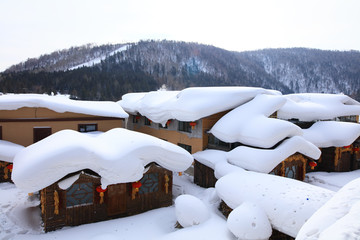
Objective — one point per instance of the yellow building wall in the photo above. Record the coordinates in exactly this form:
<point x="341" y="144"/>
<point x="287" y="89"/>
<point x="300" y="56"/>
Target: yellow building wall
<point x="17" y="125"/>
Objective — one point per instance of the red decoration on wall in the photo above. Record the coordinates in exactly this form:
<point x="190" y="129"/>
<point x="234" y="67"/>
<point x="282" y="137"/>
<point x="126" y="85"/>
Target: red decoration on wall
<point x="312" y="164"/>
<point x="168" y="122"/>
<point x="100" y="190"/>
<point x="192" y="124"/>
<point x="10" y="166"/>
<point x="136" y="184"/>
<point x="347" y="146"/>
<point x="355" y="149"/>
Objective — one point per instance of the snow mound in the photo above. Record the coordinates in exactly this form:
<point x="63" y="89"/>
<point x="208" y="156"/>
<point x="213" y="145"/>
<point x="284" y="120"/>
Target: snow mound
<point x="8" y="150"/>
<point x="250" y="125"/>
<point x="265" y="160"/>
<point x="61" y="104"/>
<point x="288" y="203"/>
<point x="249" y="222"/>
<point x="118" y="156"/>
<point x="190" y="211"/>
<point x="332" y="134"/>
<point x="190" y="104"/>
<point x="338" y="218"/>
<point x="331" y="180"/>
<point x="316" y="106"/>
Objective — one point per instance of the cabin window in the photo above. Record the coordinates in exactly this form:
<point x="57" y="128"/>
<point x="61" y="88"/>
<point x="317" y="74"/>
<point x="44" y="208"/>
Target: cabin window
<point x="186" y="147"/>
<point x="217" y="142"/>
<point x="79" y="194"/>
<point x="149" y="183"/>
<point x="135" y="119"/>
<point x="87" y="127"/>
<point x="147" y="121"/>
<point x="290" y="171"/>
<point x="184" y="127"/>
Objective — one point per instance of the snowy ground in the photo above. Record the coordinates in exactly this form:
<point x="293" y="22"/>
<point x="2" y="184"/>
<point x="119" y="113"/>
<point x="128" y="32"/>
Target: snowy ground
<point x="18" y="220"/>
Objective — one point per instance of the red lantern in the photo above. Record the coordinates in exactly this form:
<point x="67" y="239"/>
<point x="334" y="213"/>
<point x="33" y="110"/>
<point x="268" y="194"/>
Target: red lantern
<point x="347" y="146"/>
<point x="312" y="164"/>
<point x="10" y="166"/>
<point x="168" y="122"/>
<point x="136" y="185"/>
<point x="137" y="117"/>
<point x="100" y="190"/>
<point x="356" y="149"/>
<point x="192" y="124"/>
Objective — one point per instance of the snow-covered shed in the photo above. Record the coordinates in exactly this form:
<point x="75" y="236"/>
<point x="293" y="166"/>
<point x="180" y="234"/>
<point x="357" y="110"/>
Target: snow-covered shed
<point x="185" y="117"/>
<point x="8" y="151"/>
<point x="84" y="178"/>
<point x="27" y="118"/>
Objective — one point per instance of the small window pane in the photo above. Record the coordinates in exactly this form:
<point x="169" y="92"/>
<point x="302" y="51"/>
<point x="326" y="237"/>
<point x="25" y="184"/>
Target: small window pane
<point x="87" y="127"/>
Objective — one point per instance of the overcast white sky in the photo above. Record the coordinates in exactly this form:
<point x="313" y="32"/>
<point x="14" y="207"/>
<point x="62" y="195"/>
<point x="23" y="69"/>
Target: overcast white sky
<point x="30" y="28"/>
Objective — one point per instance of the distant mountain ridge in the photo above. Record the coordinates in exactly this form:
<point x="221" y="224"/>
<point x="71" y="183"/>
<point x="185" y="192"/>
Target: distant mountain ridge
<point x="111" y="70"/>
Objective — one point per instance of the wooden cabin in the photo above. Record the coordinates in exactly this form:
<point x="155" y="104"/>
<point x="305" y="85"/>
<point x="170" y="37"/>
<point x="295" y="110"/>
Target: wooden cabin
<point x="8" y="151"/>
<point x="86" y="202"/>
<point x="5" y="171"/>
<point x="293" y="167"/>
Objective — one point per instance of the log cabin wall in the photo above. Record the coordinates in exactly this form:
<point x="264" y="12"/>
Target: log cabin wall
<point x="203" y="175"/>
<point x="292" y="167"/>
<point x="338" y="159"/>
<point x="81" y="203"/>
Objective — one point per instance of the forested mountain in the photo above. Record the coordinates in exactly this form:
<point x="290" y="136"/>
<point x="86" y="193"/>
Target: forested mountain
<point x="113" y="70"/>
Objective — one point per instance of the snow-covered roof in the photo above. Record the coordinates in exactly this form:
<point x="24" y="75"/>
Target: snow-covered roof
<point x="317" y="106"/>
<point x="336" y="219"/>
<point x="288" y="203"/>
<point x="8" y="150"/>
<point x="265" y="160"/>
<point x="258" y="160"/>
<point x="61" y="104"/>
<point x="250" y="125"/>
<point x="190" y="104"/>
<point x="118" y="156"/>
<point x="332" y="134"/>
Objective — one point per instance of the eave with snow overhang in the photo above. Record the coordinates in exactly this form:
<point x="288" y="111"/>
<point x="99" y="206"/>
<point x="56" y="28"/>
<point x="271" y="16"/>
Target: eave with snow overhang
<point x="27" y="118"/>
<point x="116" y="173"/>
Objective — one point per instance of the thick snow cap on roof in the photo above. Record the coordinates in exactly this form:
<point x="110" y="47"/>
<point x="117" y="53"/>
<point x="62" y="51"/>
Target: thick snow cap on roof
<point x="332" y="134"/>
<point x="288" y="203"/>
<point x="336" y="219"/>
<point x="118" y="156"/>
<point x="254" y="159"/>
<point x="8" y="150"/>
<point x="316" y="106"/>
<point x="190" y="104"/>
<point x="265" y="160"/>
<point x="250" y="125"/>
<point x="61" y="103"/>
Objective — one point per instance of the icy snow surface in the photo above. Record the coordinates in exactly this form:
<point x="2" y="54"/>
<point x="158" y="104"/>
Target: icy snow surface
<point x="61" y="103"/>
<point x="190" y="210"/>
<point x="338" y="218"/>
<point x="249" y="222"/>
<point x="249" y="124"/>
<point x="8" y="150"/>
<point x="331" y="180"/>
<point x="118" y="156"/>
<point x="189" y="104"/>
<point x="288" y="203"/>
<point x="332" y="134"/>
<point x="316" y="106"/>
